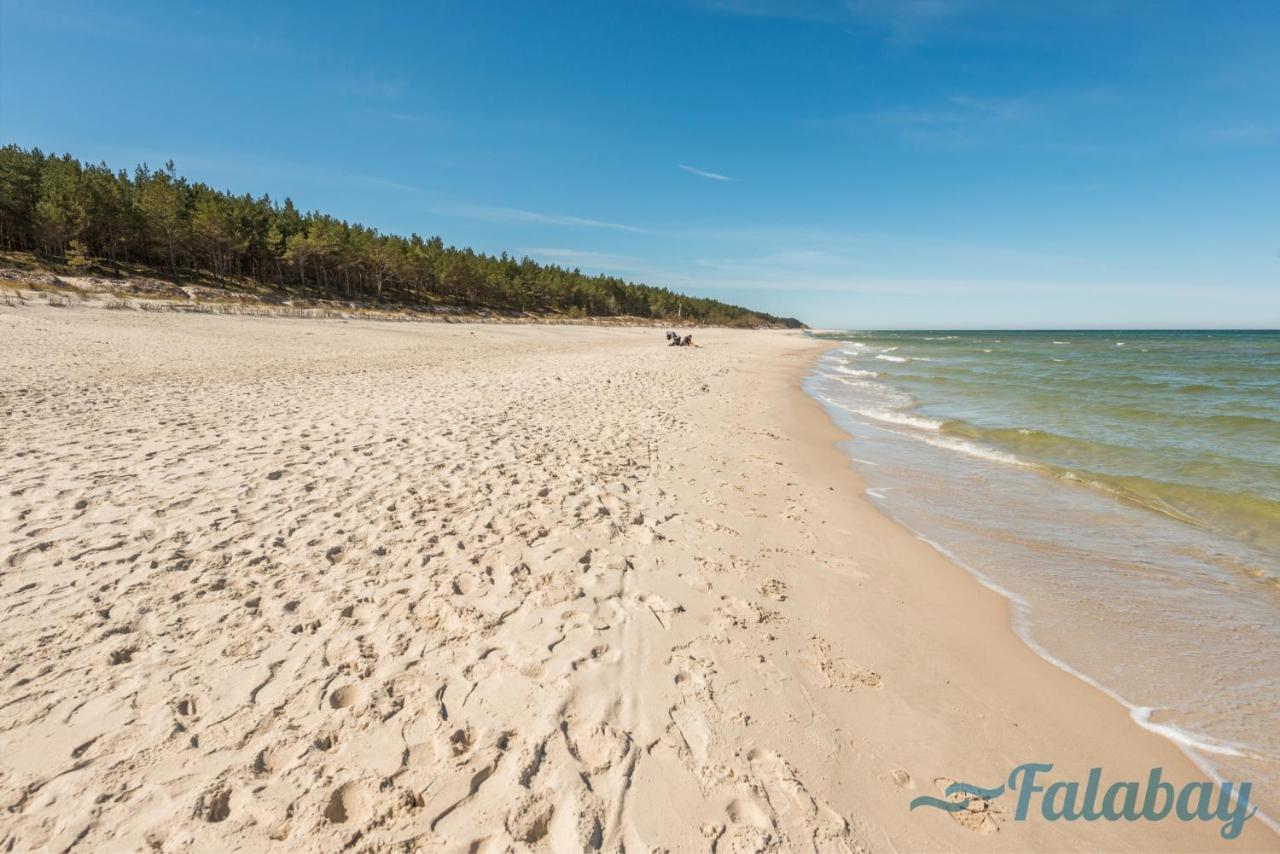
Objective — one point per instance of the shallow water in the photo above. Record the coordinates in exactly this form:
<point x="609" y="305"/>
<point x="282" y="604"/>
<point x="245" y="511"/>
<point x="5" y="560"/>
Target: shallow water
<point x="1122" y="488"/>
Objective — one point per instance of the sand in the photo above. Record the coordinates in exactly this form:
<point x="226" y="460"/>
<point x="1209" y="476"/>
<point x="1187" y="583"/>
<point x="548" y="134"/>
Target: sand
<point x="296" y="585"/>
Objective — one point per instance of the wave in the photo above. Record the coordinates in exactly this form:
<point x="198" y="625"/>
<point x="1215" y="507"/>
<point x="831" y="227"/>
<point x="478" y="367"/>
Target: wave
<point x="882" y="357"/>
<point x="975" y="450"/>
<point x="857" y="372"/>
<point x="904" y="419"/>
<point x="1249" y="517"/>
<point x="1193" y="745"/>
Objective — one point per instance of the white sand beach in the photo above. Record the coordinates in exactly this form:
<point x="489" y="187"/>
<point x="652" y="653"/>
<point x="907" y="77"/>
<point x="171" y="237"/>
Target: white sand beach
<point x="319" y="585"/>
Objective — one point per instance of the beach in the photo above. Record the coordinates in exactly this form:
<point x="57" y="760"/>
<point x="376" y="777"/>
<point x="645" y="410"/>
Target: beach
<point x="285" y="584"/>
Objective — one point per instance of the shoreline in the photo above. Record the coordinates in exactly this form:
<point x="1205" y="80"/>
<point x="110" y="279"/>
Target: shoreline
<point x="1163" y="749"/>
<point x="1200" y="750"/>
<point x="497" y="585"/>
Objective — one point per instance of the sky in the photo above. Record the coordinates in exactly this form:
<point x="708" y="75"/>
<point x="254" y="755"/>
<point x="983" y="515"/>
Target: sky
<point x="853" y="163"/>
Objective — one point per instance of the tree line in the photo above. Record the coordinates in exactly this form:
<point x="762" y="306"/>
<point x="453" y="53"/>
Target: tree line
<point x="63" y="209"/>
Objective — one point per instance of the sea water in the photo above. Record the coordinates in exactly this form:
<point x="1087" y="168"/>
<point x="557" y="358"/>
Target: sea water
<point x="1122" y="489"/>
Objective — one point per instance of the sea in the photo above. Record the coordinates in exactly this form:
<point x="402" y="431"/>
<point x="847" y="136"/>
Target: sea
<point x="1120" y="488"/>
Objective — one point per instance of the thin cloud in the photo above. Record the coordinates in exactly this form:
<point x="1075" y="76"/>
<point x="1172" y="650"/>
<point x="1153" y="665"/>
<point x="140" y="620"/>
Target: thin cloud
<point x="500" y="214"/>
<point x="1240" y="134"/>
<point x="903" y="22"/>
<point x="217" y="33"/>
<point x="999" y="108"/>
<point x="702" y="173"/>
<point x="799" y="10"/>
<point x="377" y="88"/>
<point x="583" y="258"/>
<point x="958" y="121"/>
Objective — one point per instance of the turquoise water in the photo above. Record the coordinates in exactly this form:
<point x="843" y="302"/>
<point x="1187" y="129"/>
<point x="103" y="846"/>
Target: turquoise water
<point x="1121" y="488"/>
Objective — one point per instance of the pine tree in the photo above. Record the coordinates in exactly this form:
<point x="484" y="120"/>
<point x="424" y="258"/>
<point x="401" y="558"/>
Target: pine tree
<point x="52" y="204"/>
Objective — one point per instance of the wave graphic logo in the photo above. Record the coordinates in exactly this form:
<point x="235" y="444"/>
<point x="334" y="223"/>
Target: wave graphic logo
<point x="1122" y="800"/>
<point x="957" y="788"/>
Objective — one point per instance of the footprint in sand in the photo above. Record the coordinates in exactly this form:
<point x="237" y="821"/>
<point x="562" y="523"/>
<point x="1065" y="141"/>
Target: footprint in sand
<point x="214" y="805"/>
<point x="461" y="742"/>
<point x="530" y="822"/>
<point x="345" y="697"/>
<point x="597" y="746"/>
<point x="774" y="589"/>
<point x="348" y="803"/>
<point x="750" y="828"/>
<point x="979" y="815"/>
<point x="799" y="814"/>
<point x="697" y="581"/>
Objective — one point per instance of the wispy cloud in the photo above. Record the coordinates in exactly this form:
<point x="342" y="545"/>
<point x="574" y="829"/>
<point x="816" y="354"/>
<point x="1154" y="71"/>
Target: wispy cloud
<point x="953" y="121"/>
<point x="501" y="214"/>
<point x="583" y="258"/>
<point x="908" y="21"/>
<point x="800" y="10"/>
<point x="702" y="173"/>
<point x="820" y="259"/>
<point x="1005" y="109"/>
<point x="372" y="86"/>
<point x="216" y="33"/>
<point x="1246" y="134"/>
<point x="903" y="22"/>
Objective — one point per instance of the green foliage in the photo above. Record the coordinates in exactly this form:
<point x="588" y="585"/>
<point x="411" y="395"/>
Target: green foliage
<point x="56" y="205"/>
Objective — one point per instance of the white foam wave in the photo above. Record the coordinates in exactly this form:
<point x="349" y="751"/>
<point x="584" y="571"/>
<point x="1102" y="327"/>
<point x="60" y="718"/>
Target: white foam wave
<point x="1197" y="741"/>
<point x="1197" y="747"/>
<point x="860" y="384"/>
<point x="973" y="450"/>
<point x="1191" y="745"/>
<point x="856" y="372"/>
<point x="903" y="418"/>
<point x="882" y="357"/>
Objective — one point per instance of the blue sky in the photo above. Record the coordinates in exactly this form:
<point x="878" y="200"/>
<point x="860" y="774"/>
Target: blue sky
<point x="923" y="163"/>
